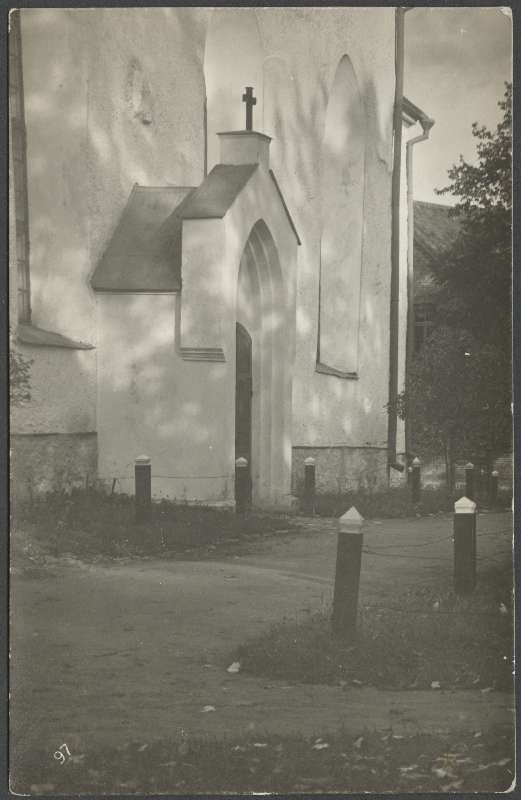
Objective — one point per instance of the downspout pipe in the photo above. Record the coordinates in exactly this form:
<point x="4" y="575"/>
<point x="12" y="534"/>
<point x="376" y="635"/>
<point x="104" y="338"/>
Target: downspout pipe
<point x="426" y="124"/>
<point x="394" y="317"/>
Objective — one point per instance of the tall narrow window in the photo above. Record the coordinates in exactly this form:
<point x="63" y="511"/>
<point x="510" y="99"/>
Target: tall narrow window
<point x="18" y="149"/>
<point x="342" y="193"/>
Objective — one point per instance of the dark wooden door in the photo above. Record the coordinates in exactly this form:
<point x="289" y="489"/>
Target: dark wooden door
<point x="243" y="394"/>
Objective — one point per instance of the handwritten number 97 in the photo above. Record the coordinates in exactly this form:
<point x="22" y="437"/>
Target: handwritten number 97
<point x="59" y="754"/>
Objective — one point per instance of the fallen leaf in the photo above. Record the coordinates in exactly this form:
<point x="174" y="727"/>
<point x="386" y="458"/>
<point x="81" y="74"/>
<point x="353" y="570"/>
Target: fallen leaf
<point x="206" y="709"/>
<point x="442" y="773"/>
<point x="502" y="763"/>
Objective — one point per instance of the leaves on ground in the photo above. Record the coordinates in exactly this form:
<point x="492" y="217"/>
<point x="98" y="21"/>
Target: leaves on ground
<point x="375" y="762"/>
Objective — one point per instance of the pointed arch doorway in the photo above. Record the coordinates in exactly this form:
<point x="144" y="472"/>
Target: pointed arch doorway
<point x="262" y="369"/>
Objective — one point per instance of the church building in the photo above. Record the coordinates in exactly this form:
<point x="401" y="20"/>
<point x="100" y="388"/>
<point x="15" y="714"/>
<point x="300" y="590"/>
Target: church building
<point x="208" y="248"/>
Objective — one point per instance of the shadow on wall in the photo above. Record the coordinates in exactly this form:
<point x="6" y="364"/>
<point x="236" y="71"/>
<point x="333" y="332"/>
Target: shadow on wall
<point x="99" y="119"/>
<point x="300" y="179"/>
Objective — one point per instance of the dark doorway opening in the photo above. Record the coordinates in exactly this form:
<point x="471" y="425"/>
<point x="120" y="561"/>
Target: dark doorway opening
<point x="243" y="395"/>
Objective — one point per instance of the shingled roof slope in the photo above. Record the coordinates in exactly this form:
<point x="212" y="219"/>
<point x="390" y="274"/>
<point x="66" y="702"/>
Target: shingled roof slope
<point x="434" y="233"/>
<point x="214" y="196"/>
<point x="141" y="256"/>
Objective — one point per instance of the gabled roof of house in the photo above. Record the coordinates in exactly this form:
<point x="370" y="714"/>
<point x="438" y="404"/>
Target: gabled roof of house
<point x="434" y="232"/>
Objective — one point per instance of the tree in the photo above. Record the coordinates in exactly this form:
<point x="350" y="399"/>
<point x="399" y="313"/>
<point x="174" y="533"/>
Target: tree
<point x="458" y="388"/>
<point x="475" y="273"/>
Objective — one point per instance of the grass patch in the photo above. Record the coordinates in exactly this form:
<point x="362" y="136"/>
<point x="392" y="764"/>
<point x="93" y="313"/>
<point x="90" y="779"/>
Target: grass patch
<point x="88" y="523"/>
<point x="374" y="762"/>
<point x="395" y="503"/>
<point x="423" y="637"/>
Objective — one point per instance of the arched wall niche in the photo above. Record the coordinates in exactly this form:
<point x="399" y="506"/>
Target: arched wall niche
<point x="233" y="59"/>
<point x="342" y="193"/>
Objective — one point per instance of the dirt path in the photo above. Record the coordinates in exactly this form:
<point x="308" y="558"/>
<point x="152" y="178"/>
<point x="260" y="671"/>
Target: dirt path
<point x="134" y="651"/>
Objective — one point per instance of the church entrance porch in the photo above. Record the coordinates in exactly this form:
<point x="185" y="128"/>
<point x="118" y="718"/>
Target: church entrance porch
<point x="197" y="391"/>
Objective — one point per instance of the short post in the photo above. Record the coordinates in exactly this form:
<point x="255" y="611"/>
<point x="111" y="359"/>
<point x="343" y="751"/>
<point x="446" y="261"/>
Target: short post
<point x="416" y="480"/>
<point x="143" y="487"/>
<point x="494" y="476"/>
<point x="242" y="485"/>
<point x="464" y="545"/>
<point x="347" y="574"/>
<point x="308" y="505"/>
<point x="469" y="480"/>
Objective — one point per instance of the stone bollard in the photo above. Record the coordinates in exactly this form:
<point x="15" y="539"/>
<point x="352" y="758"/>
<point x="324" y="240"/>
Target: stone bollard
<point x="469" y="480"/>
<point x="242" y="485"/>
<point x="143" y="487"/>
<point x="416" y="484"/>
<point x="493" y="487"/>
<point x="464" y="545"/>
<point x="347" y="574"/>
<point x="308" y="501"/>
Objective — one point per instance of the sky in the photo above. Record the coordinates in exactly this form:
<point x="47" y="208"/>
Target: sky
<point x="456" y="63"/>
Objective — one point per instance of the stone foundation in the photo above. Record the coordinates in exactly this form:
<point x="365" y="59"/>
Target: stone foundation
<point x="43" y="463"/>
<point x="340" y="469"/>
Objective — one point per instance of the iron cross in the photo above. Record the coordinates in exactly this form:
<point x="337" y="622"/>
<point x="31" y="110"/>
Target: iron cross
<point x="250" y="101"/>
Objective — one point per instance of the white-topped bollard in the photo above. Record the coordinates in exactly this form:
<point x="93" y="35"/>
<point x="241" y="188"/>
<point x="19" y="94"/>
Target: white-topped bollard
<point x="347" y="573"/>
<point x="242" y="485"/>
<point x="464" y="545"/>
<point x="143" y="487"/>
<point x="493" y="487"/>
<point x="308" y="504"/>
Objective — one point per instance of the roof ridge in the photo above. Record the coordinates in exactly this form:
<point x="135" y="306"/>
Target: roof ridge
<point x="430" y="203"/>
